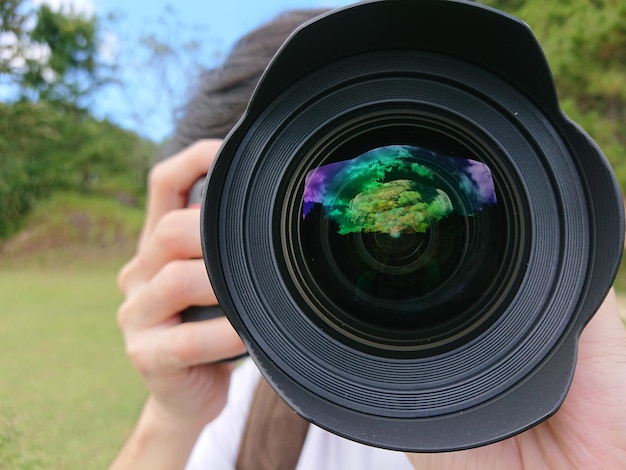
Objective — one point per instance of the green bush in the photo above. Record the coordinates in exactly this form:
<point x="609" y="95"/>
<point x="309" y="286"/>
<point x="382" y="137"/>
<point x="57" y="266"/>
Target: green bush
<point x="46" y="148"/>
<point x="585" y="44"/>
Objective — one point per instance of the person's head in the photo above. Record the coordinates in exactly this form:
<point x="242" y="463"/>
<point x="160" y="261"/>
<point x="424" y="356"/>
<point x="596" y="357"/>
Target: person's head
<point x="223" y="93"/>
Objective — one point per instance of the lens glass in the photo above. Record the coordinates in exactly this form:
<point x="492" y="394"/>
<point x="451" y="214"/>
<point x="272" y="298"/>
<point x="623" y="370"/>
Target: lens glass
<point x="400" y="244"/>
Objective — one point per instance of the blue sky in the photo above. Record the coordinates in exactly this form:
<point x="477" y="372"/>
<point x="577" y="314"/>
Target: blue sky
<point x="143" y="101"/>
<point x="226" y="19"/>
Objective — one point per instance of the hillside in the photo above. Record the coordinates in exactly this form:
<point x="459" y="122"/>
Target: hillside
<point x="71" y="229"/>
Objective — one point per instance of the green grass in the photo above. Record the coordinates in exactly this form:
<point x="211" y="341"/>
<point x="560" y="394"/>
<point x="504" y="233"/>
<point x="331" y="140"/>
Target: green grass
<point x="68" y="395"/>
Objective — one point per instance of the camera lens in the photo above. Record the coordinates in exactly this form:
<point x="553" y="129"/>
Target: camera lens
<point x="400" y="245"/>
<point x="405" y="230"/>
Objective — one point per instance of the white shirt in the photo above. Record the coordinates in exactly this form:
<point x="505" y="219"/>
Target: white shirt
<point x="218" y="445"/>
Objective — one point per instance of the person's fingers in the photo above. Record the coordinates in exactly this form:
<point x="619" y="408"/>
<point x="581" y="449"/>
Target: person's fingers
<point x="601" y="366"/>
<point x="171" y="179"/>
<point x="212" y="341"/>
<point x="185" y="345"/>
<point x="176" y="236"/>
<point x="605" y="333"/>
<point x="178" y="285"/>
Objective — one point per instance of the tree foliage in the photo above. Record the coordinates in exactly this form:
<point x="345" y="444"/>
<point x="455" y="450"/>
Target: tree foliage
<point x="13" y="34"/>
<point x="49" y="59"/>
<point x="71" y="69"/>
<point x="44" y="148"/>
<point x="54" y="60"/>
<point x="48" y="139"/>
<point x="585" y="44"/>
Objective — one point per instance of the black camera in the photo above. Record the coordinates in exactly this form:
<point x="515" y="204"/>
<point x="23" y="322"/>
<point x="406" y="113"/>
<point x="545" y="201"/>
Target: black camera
<point x="405" y="229"/>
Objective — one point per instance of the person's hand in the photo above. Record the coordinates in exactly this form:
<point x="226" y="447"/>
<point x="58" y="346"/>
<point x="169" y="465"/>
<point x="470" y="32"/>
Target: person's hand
<point x="588" y="431"/>
<point x="178" y="361"/>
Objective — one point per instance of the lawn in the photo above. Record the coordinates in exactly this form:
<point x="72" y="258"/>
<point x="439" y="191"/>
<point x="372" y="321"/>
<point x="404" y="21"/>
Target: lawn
<point x="68" y="395"/>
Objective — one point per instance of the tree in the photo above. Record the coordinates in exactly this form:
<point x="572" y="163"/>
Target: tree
<point x="71" y="70"/>
<point x="48" y="139"/>
<point x="50" y="55"/>
<point x="44" y="149"/>
<point x="12" y="34"/>
<point x="585" y="44"/>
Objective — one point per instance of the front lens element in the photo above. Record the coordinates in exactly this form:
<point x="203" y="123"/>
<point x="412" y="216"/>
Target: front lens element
<point x="401" y="242"/>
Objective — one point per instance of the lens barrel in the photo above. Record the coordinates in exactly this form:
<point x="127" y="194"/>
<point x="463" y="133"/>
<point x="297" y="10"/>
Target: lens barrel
<point x="407" y="232"/>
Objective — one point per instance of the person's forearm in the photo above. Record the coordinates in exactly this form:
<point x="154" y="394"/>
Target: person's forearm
<point x="158" y="441"/>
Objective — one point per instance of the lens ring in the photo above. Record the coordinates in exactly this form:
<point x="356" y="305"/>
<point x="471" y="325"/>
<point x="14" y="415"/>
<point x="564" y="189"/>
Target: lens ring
<point x="271" y="313"/>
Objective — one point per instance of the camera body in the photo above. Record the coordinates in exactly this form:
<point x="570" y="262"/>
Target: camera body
<point x="405" y="229"/>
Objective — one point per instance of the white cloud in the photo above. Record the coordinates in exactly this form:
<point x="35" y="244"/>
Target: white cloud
<point x="81" y="7"/>
<point x="109" y="47"/>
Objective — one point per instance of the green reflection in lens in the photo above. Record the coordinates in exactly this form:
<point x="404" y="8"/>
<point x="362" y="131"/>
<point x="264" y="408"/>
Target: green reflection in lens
<point x="394" y="207"/>
<point x="394" y="190"/>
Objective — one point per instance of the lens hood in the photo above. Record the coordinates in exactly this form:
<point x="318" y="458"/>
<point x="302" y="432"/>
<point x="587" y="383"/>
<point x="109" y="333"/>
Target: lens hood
<point x="405" y="229"/>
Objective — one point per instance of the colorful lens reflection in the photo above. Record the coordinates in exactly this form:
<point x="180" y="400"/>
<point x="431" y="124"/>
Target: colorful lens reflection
<point x="397" y="189"/>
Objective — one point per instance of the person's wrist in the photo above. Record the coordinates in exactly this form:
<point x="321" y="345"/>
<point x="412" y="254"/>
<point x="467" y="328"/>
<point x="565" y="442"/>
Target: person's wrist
<point x="160" y="416"/>
<point x="165" y="436"/>
<point x="160" y="440"/>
